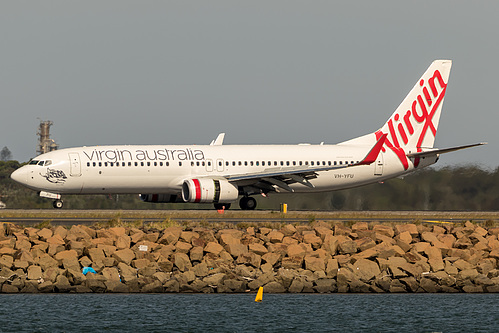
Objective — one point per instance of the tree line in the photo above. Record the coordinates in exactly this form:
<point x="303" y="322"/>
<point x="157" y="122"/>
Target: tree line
<point x="450" y="188"/>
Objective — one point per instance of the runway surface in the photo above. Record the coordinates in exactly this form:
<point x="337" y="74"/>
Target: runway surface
<point x="89" y="217"/>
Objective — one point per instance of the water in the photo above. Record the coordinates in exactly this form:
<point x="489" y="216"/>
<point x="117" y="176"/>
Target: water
<point x="239" y="313"/>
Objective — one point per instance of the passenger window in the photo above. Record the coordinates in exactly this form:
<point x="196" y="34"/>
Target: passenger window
<point x="275" y="163"/>
<point x="179" y="163"/>
<point x="197" y="163"/>
<point x="251" y="163"/>
<point x="129" y="164"/>
<point x="312" y="163"/>
<point x="88" y="164"/>
<point x="219" y="163"/>
<point x="100" y="164"/>
<point x="306" y="162"/>
<point x="148" y="163"/>
<point x="155" y="163"/>
<point x="203" y="163"/>
<point x="192" y="164"/>
<point x="282" y="163"/>
<point x="141" y="163"/>
<point x="334" y="162"/>
<point x="160" y="163"/>
<point x="233" y="163"/>
<point x="294" y="162"/>
<point x="301" y="163"/>
<point x="287" y="163"/>
<point x="341" y="163"/>
<point x="94" y="164"/>
<point x="245" y="163"/>
<point x="167" y="163"/>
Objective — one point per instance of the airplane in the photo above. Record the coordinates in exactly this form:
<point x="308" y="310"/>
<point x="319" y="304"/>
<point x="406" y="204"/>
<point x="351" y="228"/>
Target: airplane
<point x="221" y="174"/>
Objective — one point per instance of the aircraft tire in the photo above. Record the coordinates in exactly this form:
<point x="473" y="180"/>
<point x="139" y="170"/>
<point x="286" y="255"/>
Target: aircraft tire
<point x="247" y="203"/>
<point x="58" y="204"/>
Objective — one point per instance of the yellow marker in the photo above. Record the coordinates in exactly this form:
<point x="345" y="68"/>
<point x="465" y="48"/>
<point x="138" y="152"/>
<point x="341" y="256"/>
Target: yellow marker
<point x="259" y="295"/>
<point x="284" y="208"/>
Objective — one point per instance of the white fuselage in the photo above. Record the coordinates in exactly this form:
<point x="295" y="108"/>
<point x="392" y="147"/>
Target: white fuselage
<point x="163" y="169"/>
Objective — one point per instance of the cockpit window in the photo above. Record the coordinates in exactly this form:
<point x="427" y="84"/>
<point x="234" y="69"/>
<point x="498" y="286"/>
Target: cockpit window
<point x="48" y="162"/>
<point x="33" y="162"/>
<point x="41" y="163"/>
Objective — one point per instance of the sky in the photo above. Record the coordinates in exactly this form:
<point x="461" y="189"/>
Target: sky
<point x="263" y="72"/>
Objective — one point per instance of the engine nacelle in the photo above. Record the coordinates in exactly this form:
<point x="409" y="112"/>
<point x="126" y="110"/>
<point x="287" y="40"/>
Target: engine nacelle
<point x="209" y="190"/>
<point x="160" y="198"/>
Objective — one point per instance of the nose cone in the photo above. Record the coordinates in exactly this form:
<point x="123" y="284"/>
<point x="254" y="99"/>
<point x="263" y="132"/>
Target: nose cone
<point x="20" y="175"/>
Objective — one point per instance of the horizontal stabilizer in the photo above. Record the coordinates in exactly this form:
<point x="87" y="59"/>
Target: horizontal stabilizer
<point x="442" y="151"/>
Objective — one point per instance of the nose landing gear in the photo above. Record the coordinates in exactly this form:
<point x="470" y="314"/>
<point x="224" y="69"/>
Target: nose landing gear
<point x="58" y="204"/>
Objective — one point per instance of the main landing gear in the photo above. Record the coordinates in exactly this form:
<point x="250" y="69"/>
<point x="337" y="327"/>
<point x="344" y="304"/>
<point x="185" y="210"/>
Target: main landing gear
<point x="247" y="203"/>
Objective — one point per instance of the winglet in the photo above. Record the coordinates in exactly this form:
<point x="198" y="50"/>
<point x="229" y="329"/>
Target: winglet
<point x="219" y="140"/>
<point x="374" y="152"/>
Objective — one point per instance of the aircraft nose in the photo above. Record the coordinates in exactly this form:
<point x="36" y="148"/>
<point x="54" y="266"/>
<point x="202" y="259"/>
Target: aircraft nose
<point x="20" y="175"/>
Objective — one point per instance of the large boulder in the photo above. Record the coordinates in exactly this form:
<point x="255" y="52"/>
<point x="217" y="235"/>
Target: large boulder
<point x="113" y="286"/>
<point x="125" y="256"/>
<point x="127" y="273"/>
<point x="325" y="285"/>
<point x="214" y="248"/>
<point x="182" y="261"/>
<point x="34" y="272"/>
<point x="365" y="269"/>
<point x="274" y="287"/>
<point x="314" y="264"/>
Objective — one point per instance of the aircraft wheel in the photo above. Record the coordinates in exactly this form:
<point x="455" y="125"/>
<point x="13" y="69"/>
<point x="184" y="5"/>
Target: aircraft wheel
<point x="219" y="206"/>
<point x="247" y="203"/>
<point x="58" y="204"/>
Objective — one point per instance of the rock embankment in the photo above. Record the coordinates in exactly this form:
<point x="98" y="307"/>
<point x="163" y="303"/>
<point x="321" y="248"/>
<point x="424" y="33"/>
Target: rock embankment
<point x="315" y="258"/>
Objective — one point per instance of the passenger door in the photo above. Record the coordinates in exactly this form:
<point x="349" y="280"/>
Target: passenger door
<point x="74" y="165"/>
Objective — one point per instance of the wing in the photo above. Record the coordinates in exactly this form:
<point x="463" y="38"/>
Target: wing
<point x="282" y="177"/>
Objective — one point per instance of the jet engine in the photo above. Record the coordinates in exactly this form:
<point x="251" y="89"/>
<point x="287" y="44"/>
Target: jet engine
<point x="209" y="190"/>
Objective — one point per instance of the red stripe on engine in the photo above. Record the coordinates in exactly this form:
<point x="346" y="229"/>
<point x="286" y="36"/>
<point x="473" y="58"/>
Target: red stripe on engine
<point x="198" y="190"/>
